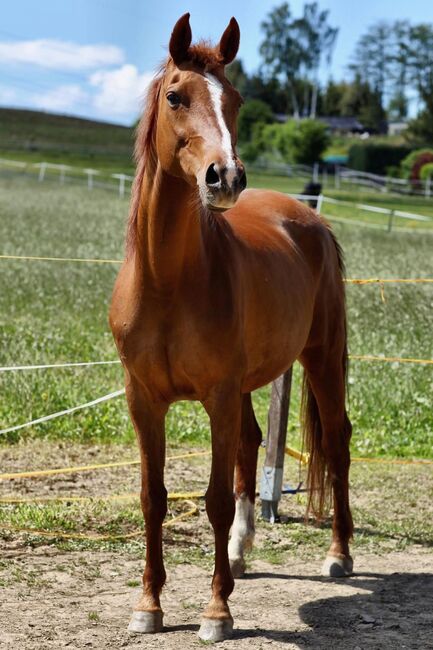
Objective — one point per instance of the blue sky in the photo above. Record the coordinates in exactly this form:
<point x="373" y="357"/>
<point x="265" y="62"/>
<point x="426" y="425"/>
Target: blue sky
<point x="94" y="58"/>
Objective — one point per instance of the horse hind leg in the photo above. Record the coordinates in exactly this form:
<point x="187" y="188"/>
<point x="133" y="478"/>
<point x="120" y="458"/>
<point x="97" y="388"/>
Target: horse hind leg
<point x="328" y="431"/>
<point x="243" y="529"/>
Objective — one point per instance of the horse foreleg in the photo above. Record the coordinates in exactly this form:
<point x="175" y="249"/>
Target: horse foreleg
<point x="243" y="529"/>
<point x="148" y="420"/>
<point x="224" y="409"/>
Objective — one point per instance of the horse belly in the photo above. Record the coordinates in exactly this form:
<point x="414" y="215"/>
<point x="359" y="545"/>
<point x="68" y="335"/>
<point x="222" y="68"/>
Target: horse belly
<point x="276" y="332"/>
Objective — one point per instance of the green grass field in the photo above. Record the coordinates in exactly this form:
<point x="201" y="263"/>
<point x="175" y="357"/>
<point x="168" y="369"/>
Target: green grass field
<point x="53" y="312"/>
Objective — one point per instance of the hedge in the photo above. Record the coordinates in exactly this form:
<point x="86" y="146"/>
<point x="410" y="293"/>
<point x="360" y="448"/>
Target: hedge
<point x="375" y="158"/>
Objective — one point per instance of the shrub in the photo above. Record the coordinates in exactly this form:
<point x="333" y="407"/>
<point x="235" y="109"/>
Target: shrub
<point x="296" y="141"/>
<point x="413" y="163"/>
<point x="426" y="171"/>
<point x="376" y="158"/>
<point x="303" y="141"/>
<point x="253" y="112"/>
<point x="420" y="129"/>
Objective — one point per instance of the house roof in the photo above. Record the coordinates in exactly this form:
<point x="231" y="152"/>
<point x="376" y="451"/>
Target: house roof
<point x="342" y="123"/>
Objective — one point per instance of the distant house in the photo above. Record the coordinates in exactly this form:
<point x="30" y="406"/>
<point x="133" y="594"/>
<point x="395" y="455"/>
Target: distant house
<point x="281" y="118"/>
<point x="343" y="125"/>
<point x="397" y="127"/>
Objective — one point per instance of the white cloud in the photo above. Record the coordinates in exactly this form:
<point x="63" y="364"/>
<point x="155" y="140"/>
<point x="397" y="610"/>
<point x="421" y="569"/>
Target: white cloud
<point x="60" y="98"/>
<point x="60" y="55"/>
<point x="120" y="91"/>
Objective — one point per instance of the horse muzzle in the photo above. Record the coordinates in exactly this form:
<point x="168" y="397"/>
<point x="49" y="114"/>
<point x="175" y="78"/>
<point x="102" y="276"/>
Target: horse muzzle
<point x="223" y="186"/>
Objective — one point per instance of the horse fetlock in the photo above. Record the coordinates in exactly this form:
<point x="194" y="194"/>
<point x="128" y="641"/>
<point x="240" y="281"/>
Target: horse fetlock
<point x="215" y="629"/>
<point x="148" y="622"/>
<point x="243" y="531"/>
<point x="339" y="566"/>
<point x="237" y="566"/>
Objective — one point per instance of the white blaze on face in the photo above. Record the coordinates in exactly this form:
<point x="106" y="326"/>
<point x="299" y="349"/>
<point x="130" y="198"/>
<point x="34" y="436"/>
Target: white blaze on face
<point x="216" y="94"/>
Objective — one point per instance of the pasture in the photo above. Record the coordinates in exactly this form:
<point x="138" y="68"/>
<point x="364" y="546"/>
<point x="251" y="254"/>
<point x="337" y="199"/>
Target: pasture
<point x="54" y="312"/>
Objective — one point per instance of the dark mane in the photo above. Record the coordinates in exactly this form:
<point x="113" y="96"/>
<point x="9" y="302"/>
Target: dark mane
<point x="201" y="55"/>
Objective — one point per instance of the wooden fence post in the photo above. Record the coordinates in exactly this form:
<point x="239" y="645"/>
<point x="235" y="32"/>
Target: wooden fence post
<point x="272" y="473"/>
<point x="390" y="220"/>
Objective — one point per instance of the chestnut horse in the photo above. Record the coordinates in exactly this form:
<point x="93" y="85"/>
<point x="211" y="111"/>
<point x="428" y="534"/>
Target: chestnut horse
<point x="221" y="291"/>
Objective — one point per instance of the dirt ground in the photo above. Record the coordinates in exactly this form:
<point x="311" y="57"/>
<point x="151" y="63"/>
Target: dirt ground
<point x="82" y="600"/>
<point x="55" y="595"/>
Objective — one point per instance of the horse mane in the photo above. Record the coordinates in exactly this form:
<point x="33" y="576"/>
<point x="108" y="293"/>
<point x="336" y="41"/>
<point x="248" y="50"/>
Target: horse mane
<point x="201" y="55"/>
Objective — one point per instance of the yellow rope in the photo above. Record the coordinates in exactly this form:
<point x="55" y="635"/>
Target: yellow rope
<point x="304" y="458"/>
<point x="172" y="496"/>
<point x="294" y="453"/>
<point x="98" y="538"/>
<point x="85" y="468"/>
<point x="393" y="461"/>
<point x="388" y="280"/>
<point x="37" y="258"/>
<point x="368" y="357"/>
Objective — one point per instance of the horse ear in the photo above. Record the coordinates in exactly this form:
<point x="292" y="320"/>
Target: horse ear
<point x="229" y="43"/>
<point x="180" y="40"/>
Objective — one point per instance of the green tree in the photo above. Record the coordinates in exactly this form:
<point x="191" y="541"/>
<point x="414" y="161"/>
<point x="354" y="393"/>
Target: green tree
<point x="371" y="61"/>
<point x="270" y="91"/>
<point x="420" y="62"/>
<point x="296" y="141"/>
<point x="254" y="111"/>
<point x="237" y="76"/>
<point x="282" y="52"/>
<point x="420" y="129"/>
<point x="319" y="42"/>
<point x="362" y="101"/>
<point x="332" y="98"/>
<point x="293" y="49"/>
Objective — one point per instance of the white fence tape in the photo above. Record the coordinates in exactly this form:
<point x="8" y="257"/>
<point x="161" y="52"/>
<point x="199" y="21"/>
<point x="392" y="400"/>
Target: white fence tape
<point x="374" y="208"/>
<point x="77" y="364"/>
<point x="73" y="409"/>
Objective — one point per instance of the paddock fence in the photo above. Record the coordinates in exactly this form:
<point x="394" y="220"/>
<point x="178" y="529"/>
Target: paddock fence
<point x="41" y="172"/>
<point x="104" y="179"/>
<point x="121" y="183"/>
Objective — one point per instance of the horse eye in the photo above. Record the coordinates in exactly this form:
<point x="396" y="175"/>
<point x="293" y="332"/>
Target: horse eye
<point x="173" y="99"/>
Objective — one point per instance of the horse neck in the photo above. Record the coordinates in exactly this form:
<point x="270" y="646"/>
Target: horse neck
<point x="168" y="230"/>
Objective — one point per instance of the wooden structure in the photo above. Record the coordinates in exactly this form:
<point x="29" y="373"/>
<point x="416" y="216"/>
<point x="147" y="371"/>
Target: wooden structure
<point x="271" y="482"/>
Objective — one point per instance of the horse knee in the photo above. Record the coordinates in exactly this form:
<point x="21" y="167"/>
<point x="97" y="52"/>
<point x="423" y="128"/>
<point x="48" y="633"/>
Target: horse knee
<point x="154" y="503"/>
<point x="220" y="509"/>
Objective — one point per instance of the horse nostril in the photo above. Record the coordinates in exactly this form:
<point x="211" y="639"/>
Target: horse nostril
<point x="212" y="176"/>
<point x="243" y="180"/>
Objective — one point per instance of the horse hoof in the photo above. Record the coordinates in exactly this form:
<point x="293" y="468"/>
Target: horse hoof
<point x="237" y="566"/>
<point x="337" y="567"/>
<point x="146" y="622"/>
<point x="213" y="630"/>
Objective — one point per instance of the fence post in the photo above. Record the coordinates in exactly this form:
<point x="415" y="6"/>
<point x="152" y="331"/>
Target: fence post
<point x="272" y="472"/>
<point x="428" y="186"/>
<point x="121" y="178"/>
<point x="90" y="174"/>
<point x="390" y="220"/>
<point x="42" y="167"/>
<point x="62" y="170"/>
<point x="316" y="172"/>
<point x="337" y="177"/>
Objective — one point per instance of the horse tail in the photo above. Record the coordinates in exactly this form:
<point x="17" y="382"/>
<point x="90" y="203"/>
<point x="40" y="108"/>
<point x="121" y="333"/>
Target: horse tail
<point x="318" y="479"/>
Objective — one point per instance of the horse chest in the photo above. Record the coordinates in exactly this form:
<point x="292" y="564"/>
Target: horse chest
<point x="178" y="357"/>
